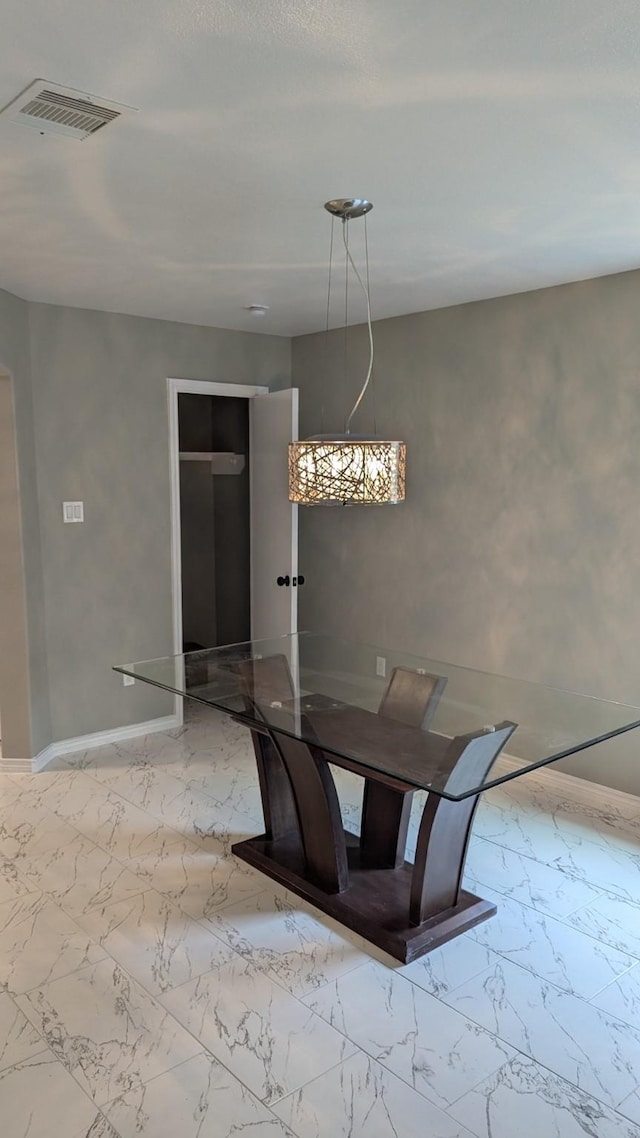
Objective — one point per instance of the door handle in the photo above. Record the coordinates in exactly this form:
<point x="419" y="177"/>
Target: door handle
<point x="298" y="580"/>
<point x="284" y="580"/>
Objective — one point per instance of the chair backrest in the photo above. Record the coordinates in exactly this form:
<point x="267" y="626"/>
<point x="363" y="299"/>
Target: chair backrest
<point x="470" y="757"/>
<point x="412" y="697"/>
<point x="266" y="680"/>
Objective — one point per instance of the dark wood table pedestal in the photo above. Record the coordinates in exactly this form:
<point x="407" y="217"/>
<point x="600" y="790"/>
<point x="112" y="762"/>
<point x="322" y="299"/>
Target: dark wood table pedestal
<point x="364" y="882"/>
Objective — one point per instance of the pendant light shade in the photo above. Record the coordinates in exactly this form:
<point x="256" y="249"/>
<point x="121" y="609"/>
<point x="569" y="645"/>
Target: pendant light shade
<point x="349" y="471"/>
<point x="346" y="469"/>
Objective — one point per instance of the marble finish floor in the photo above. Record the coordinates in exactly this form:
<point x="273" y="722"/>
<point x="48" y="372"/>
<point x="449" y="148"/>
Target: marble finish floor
<point x="151" y="985"/>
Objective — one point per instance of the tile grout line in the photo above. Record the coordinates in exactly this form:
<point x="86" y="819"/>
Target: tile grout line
<point x="531" y="1058"/>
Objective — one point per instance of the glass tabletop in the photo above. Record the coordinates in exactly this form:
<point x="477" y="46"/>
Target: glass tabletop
<point x="403" y="716"/>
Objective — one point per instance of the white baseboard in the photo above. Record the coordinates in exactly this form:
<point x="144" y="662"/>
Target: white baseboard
<point x="86" y="742"/>
<point x="15" y="766"/>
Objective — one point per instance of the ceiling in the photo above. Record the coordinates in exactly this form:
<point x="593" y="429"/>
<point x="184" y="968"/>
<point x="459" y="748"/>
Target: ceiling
<point x="499" y="142"/>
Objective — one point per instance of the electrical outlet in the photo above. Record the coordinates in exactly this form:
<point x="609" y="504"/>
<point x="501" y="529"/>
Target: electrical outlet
<point x="73" y="511"/>
<point x="381" y="666"/>
<point x="128" y="681"/>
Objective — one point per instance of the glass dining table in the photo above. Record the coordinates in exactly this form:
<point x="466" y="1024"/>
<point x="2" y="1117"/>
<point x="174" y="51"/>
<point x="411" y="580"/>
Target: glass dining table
<point x="402" y="723"/>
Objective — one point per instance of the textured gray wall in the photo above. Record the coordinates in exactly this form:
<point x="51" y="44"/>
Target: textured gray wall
<point x="100" y="422"/>
<point x="25" y="731"/>
<point x="14" y="648"/>
<point x="518" y="547"/>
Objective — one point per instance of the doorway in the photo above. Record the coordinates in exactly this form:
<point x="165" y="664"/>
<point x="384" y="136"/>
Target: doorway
<point x="239" y="530"/>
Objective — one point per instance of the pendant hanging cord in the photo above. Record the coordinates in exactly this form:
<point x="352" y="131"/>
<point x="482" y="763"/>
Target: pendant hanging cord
<point x="366" y="294"/>
<point x="373" y="383"/>
<point x="326" y="330"/>
<point x="345" y="334"/>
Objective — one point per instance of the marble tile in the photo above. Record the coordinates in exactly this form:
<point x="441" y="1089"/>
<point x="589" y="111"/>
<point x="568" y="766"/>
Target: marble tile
<point x="265" y="1037"/>
<point x="154" y="786"/>
<point x="281" y="935"/>
<point x="48" y="786"/>
<point x="108" y="1032"/>
<point x="199" y="1099"/>
<point x="198" y="817"/>
<point x="172" y="802"/>
<point x="39" y="1099"/>
<point x="622" y="998"/>
<point x="437" y="1051"/>
<point x="574" y="1039"/>
<point x="362" y="1098"/>
<point x="615" y="869"/>
<point x="201" y="881"/>
<point x="117" y="826"/>
<point x="22" y="825"/>
<point x="562" y="955"/>
<point x="77" y="874"/>
<point x="238" y="791"/>
<point x="38" y="943"/>
<point x="612" y="920"/>
<point x="19" y="1040"/>
<point x="154" y="940"/>
<point x="507" y="824"/>
<point x="12" y="883"/>
<point x="350" y="788"/>
<point x="447" y="967"/>
<point x="575" y="818"/>
<point x="508" y="801"/>
<point x="524" y="879"/>
<point x="526" y="1100"/>
<point x="99" y="1128"/>
<point x="630" y="1108"/>
<point x="9" y="791"/>
<point x="597" y="819"/>
<point x="133" y="778"/>
<point x="203" y="743"/>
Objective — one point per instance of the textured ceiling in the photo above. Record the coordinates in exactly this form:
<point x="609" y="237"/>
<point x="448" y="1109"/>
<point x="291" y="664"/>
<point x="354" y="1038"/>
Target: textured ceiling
<point x="497" y="139"/>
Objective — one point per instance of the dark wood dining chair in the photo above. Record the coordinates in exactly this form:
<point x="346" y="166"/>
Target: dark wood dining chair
<point x="411" y="697"/>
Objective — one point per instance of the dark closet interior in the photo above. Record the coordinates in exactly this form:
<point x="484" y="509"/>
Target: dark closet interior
<point x="214" y="520"/>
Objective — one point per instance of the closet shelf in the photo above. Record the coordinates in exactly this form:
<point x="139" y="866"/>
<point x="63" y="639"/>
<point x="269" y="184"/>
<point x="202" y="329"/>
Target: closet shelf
<point x="222" y="462"/>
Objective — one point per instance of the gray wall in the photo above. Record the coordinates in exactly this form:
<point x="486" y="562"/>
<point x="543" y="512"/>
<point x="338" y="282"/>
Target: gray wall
<point x="100" y="432"/>
<point x="14" y="650"/>
<point x="518" y="547"/>
<point x="26" y="714"/>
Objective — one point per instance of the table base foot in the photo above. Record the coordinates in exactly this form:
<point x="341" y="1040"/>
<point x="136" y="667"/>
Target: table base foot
<point x="376" y="902"/>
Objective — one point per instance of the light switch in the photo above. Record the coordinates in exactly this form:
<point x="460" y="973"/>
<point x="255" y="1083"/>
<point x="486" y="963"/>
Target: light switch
<point x="73" y="511"/>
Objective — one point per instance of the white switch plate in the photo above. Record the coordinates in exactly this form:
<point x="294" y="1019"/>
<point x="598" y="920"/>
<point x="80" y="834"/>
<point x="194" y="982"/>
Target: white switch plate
<point x="73" y="511"/>
<point x="128" y="681"/>
<point x="381" y="666"/>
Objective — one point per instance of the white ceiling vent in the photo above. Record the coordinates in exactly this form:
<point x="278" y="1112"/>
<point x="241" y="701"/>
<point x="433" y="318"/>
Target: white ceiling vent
<point x="52" y="109"/>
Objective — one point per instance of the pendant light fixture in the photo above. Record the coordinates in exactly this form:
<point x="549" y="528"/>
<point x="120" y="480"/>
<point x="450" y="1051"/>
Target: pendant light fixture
<point x="346" y="469"/>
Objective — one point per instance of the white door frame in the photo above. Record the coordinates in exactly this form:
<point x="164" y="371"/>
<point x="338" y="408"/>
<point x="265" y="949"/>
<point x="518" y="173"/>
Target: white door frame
<point x="174" y="388"/>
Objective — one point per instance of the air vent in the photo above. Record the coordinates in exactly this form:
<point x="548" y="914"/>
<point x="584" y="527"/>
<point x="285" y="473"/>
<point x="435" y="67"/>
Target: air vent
<point x="52" y="109"/>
